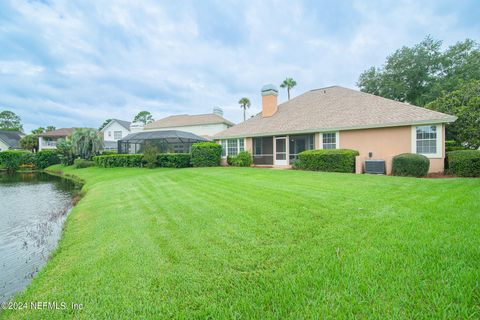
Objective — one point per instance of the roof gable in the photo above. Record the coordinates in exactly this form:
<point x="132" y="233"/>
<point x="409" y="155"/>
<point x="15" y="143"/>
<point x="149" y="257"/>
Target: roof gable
<point x="123" y="123"/>
<point x="335" y="108"/>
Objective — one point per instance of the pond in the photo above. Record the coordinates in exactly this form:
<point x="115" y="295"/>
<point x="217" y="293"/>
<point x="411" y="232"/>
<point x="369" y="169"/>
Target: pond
<point x="33" y="207"/>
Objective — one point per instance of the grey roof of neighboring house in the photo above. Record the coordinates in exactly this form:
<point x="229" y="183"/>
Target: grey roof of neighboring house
<point x="183" y="120"/>
<point x="11" y="138"/>
<point x="334" y="108"/>
<point x="123" y="123"/>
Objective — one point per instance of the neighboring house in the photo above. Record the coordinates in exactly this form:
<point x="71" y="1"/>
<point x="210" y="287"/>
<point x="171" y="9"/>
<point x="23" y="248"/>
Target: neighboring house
<point x="48" y="140"/>
<point x="204" y="125"/>
<point x="334" y="118"/>
<point x="115" y="130"/>
<point x="10" y="139"/>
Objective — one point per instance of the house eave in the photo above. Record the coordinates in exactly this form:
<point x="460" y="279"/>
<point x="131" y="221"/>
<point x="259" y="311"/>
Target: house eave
<point x="312" y="130"/>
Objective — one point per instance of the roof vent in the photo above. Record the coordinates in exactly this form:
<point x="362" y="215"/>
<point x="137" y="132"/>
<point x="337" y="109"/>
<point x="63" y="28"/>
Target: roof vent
<point x="218" y="111"/>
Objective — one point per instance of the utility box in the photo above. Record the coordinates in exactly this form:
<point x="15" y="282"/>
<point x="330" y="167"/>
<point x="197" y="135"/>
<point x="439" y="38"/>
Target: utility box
<point x="375" y="166"/>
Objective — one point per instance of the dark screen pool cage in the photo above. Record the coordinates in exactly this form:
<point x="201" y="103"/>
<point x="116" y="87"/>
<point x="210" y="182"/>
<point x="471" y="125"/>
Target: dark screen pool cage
<point x="169" y="141"/>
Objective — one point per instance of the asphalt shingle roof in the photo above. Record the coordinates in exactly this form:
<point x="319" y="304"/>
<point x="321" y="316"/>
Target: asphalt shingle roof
<point x="11" y="138"/>
<point x="334" y="108"/>
<point x="188" y="120"/>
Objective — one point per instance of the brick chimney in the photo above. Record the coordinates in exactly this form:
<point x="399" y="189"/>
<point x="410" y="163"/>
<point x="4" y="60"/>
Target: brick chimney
<point x="269" y="100"/>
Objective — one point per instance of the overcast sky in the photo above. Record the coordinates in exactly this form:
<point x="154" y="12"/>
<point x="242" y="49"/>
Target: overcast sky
<point x="76" y="63"/>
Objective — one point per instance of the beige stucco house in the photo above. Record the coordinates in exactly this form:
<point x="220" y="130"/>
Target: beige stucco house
<point x="338" y="118"/>
<point x="48" y="140"/>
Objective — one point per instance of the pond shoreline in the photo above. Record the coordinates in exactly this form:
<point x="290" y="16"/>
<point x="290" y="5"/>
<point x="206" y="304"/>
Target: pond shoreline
<point x="42" y="236"/>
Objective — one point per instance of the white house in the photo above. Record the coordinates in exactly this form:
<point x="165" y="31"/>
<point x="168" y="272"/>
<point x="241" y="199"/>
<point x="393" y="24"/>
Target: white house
<point x="205" y="125"/>
<point x="115" y="130"/>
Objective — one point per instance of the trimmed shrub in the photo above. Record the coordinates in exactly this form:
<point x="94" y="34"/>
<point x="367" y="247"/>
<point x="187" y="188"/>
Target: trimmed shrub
<point x="108" y="152"/>
<point x="46" y="158"/>
<point x="82" y="163"/>
<point x="410" y="165"/>
<point x="173" y="160"/>
<point x="452" y="145"/>
<point x="150" y="156"/>
<point x="11" y="160"/>
<point x="206" y="154"/>
<point x="243" y="159"/>
<point x="464" y="163"/>
<point x="165" y="160"/>
<point x="119" y="160"/>
<point x="330" y="160"/>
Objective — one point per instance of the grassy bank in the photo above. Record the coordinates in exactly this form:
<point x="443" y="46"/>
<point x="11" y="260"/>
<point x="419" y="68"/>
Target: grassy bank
<point x="257" y="243"/>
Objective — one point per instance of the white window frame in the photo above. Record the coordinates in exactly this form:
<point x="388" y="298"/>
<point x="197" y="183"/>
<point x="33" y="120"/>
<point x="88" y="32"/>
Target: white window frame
<point x="224" y="144"/>
<point x="439" y="131"/>
<point x="121" y="135"/>
<point x="337" y="139"/>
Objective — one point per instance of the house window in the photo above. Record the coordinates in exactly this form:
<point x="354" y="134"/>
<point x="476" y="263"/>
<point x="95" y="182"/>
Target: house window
<point x="426" y="139"/>
<point x="117" y="135"/>
<point x="329" y="140"/>
<point x="232" y="147"/>
<point x="109" y="133"/>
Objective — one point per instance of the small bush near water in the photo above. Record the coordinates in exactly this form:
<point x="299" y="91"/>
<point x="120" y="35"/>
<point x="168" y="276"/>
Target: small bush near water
<point x="82" y="163"/>
<point x="243" y="159"/>
<point x="11" y="160"/>
<point x="330" y="160"/>
<point x="46" y="158"/>
<point x="464" y="163"/>
<point x="410" y="165"/>
<point x="206" y="154"/>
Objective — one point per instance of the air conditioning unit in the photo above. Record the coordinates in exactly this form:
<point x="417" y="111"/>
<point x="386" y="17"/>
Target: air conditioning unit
<point x="375" y="166"/>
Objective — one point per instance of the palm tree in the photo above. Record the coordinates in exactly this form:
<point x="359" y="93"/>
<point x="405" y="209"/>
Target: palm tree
<point x="244" y="104"/>
<point x="86" y="142"/>
<point x="288" y="83"/>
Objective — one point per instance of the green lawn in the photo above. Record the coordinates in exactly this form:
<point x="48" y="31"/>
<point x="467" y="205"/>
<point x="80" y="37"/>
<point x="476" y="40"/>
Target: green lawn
<point x="258" y="243"/>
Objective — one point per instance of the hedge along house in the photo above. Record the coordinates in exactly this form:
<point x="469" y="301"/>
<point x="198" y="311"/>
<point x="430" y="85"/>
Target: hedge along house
<point x="337" y="118"/>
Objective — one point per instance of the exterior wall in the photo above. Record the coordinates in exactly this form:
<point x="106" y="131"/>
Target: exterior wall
<point x="208" y="130"/>
<point x="249" y="145"/>
<point x="108" y="131"/>
<point x="47" y="144"/>
<point x="269" y="105"/>
<point x="385" y="143"/>
<point x="3" y="146"/>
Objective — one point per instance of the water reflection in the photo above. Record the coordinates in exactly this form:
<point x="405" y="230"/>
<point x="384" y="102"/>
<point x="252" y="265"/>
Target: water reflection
<point x="33" y="207"/>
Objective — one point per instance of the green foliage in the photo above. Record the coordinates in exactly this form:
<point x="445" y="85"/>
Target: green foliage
<point x="46" y="158"/>
<point x="10" y="121"/>
<point x="410" y="165"/>
<point x="422" y="73"/>
<point x="165" y="160"/>
<point x="82" y="163"/>
<point x="86" y="142"/>
<point x="464" y="163"/>
<point x="242" y="159"/>
<point x="143" y="116"/>
<point x="150" y="156"/>
<point x="206" y="154"/>
<point x="330" y="160"/>
<point x="174" y="160"/>
<point x="464" y="103"/>
<point x="104" y="124"/>
<point x="119" y="160"/>
<point x="11" y="160"/>
<point x="108" y="152"/>
<point x="29" y="142"/>
<point x="288" y="83"/>
<point x="38" y="130"/>
<point x="50" y="128"/>
<point x="65" y="151"/>
<point x="244" y="104"/>
<point x="452" y="145"/>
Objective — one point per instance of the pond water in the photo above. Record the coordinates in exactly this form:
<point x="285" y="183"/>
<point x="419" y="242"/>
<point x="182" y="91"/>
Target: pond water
<point x="33" y="207"/>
